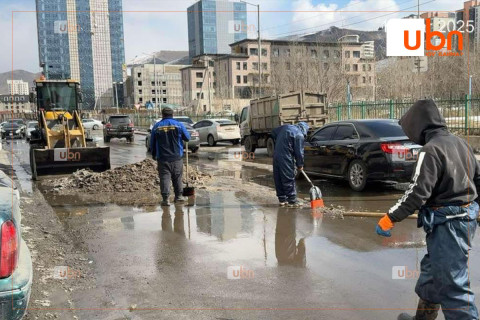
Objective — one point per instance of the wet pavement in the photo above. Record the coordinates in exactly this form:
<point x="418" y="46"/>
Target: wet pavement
<point x="152" y="262"/>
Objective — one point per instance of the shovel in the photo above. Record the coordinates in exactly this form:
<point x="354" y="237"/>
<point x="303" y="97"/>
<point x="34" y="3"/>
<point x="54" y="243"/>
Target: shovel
<point x="188" y="191"/>
<point x="316" y="200"/>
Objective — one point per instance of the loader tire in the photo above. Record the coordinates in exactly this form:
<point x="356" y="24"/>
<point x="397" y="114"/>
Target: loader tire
<point x="33" y="166"/>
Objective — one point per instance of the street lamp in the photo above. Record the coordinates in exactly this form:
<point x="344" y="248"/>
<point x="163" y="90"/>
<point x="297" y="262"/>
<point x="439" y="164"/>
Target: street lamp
<point x="116" y="94"/>
<point x="259" y="47"/>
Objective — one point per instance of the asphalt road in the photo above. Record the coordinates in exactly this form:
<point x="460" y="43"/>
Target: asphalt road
<point x="155" y="263"/>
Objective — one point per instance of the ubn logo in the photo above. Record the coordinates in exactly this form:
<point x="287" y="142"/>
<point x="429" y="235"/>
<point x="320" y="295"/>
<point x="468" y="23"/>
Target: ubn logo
<point x="237" y="154"/>
<point x="402" y="273"/>
<point x="239" y="272"/>
<point x="64" y="154"/>
<point x="411" y="37"/>
<point x="404" y="155"/>
<point x="64" y="272"/>
<point x="63" y="27"/>
<point x="236" y="26"/>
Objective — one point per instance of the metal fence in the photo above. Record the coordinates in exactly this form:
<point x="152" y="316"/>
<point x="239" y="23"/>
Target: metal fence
<point x="143" y="121"/>
<point x="462" y="115"/>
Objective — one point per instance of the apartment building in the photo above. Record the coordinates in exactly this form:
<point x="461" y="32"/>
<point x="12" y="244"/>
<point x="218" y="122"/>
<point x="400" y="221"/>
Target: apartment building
<point x="166" y="90"/>
<point x="198" y="83"/>
<point x="17" y="103"/>
<point x="19" y="87"/>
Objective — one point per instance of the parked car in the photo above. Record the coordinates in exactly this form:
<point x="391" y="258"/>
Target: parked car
<point x="11" y="130"/>
<point x="361" y="150"/>
<point x="193" y="144"/>
<point x="15" y="262"/>
<point x="20" y="123"/>
<point x="31" y="126"/>
<point x="92" y="124"/>
<point x="118" y="126"/>
<point x="215" y="130"/>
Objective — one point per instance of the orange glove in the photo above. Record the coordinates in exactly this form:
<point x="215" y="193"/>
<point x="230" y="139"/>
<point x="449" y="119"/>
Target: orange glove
<point x="384" y="226"/>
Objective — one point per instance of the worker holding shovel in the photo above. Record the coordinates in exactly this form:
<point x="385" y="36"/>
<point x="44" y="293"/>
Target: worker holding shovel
<point x="167" y="148"/>
<point x="444" y="189"/>
<point x="288" y="153"/>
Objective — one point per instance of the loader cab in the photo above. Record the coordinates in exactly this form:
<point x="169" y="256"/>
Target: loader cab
<point x="58" y="95"/>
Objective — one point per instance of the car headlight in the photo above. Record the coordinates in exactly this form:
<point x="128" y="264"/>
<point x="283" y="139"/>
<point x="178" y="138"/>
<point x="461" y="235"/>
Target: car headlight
<point x="18" y="131"/>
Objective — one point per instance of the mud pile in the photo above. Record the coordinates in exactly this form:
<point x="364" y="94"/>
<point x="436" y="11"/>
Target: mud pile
<point x="140" y="176"/>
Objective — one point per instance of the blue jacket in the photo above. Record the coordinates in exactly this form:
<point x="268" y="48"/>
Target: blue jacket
<point x="289" y="144"/>
<point x="167" y="139"/>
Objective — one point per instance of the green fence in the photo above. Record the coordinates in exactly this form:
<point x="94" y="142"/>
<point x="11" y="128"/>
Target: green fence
<point x="462" y="115"/>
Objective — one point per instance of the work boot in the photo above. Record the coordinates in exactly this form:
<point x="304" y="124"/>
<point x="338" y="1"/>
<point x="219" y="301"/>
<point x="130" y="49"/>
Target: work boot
<point x="283" y="204"/>
<point x="294" y="204"/>
<point x="165" y="202"/>
<point x="425" y="311"/>
<point x="179" y="199"/>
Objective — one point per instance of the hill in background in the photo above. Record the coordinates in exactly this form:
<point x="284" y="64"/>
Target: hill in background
<point x="17" y="75"/>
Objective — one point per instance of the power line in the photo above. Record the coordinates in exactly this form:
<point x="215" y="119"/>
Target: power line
<point x="384" y="15"/>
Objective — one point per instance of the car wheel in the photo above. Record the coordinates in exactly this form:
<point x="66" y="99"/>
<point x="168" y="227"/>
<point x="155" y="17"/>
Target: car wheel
<point x="211" y="141"/>
<point x="270" y="147"/>
<point x="249" y="146"/>
<point x="95" y="127"/>
<point x="357" y="175"/>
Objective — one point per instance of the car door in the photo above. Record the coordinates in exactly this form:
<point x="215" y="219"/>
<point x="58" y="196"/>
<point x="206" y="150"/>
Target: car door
<point x="202" y="129"/>
<point x="316" y="156"/>
<point x="342" y="148"/>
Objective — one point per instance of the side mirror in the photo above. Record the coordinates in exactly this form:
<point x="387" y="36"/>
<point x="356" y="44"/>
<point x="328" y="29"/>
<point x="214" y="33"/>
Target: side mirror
<point x="80" y="97"/>
<point x="104" y="123"/>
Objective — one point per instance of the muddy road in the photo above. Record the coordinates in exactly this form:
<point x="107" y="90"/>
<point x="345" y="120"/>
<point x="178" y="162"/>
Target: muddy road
<point x="143" y="261"/>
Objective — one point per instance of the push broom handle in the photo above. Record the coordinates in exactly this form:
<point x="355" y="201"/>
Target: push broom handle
<point x="187" y="162"/>
<point x="306" y="177"/>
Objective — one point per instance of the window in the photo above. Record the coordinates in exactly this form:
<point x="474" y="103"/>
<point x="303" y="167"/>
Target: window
<point x="287" y="65"/>
<point x="326" y="66"/>
<point x="139" y="75"/>
<point x="164" y="83"/>
<point x="245" y="66"/>
<point x="323" y="134"/>
<point x="369" y="67"/>
<point x="264" y="52"/>
<point x="370" y="79"/>
<point x="347" y="67"/>
<point x="364" y="67"/>
<point x="276" y="52"/>
<point x="164" y="91"/>
<point x="253" y="51"/>
<point x="139" y="83"/>
<point x="238" y="65"/>
<point x="199" y="85"/>
<point x="326" y="54"/>
<point x="238" y="79"/>
<point x="164" y="100"/>
<point x="347" y="54"/>
<point x="337" y="54"/>
<point x="199" y="75"/>
<point x="345" y="132"/>
<point x="140" y="99"/>
<point x="153" y="91"/>
<point x="255" y="65"/>
<point x="154" y="100"/>
<point x="198" y="95"/>
<point x="140" y="91"/>
<point x="264" y="66"/>
<point x="313" y="53"/>
<point x="364" y="79"/>
<point x="245" y="79"/>
<point x="287" y="52"/>
<point x="153" y="83"/>
<point x="355" y="67"/>
<point x="210" y="63"/>
<point x="356" y="54"/>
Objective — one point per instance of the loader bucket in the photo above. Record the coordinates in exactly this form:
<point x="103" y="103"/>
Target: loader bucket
<point x="68" y="160"/>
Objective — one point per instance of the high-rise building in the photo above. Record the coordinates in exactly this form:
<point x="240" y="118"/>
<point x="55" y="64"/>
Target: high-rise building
<point x="18" y="87"/>
<point x="214" y="24"/>
<point x="83" y="40"/>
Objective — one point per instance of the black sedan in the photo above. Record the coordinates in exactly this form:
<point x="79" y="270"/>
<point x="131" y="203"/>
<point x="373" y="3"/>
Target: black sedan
<point x="11" y="130"/>
<point x="361" y="150"/>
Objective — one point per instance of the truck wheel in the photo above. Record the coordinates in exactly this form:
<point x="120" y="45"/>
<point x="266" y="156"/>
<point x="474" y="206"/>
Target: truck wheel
<point x="270" y="147"/>
<point x="357" y="175"/>
<point x="249" y="146"/>
<point x="211" y="141"/>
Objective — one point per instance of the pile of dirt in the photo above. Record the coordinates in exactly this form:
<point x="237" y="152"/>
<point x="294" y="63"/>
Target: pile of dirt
<point x="140" y="176"/>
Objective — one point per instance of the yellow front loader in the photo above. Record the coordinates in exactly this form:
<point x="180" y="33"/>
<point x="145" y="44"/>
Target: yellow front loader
<point x="59" y="144"/>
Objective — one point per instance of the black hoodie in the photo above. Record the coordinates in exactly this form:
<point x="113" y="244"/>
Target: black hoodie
<point x="446" y="173"/>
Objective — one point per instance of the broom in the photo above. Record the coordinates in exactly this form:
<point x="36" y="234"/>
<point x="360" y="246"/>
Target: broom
<point x="316" y="200"/>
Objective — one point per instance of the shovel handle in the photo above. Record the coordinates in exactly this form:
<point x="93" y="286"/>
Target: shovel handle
<point x="187" y="160"/>
<point x="306" y="177"/>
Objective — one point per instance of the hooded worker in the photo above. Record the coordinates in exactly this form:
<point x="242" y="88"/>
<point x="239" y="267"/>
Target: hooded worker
<point x="289" y="144"/>
<point x="444" y="189"/>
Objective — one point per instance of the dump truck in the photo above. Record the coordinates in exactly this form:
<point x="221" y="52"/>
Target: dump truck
<point x="265" y="114"/>
<point x="59" y="143"/>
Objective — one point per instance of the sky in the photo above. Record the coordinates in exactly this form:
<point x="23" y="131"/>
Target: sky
<point x="162" y="24"/>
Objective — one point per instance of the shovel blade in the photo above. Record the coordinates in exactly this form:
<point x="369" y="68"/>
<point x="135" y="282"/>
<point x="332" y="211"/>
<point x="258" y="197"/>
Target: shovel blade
<point x="188" y="191"/>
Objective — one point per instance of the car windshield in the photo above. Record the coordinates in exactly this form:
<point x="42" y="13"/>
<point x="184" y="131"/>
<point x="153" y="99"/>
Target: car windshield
<point x="184" y="120"/>
<point x="119" y="120"/>
<point x="383" y="129"/>
<point x="56" y="96"/>
<point x="32" y="124"/>
<point x="225" y="122"/>
<point x="11" y="125"/>
<point x="17" y="121"/>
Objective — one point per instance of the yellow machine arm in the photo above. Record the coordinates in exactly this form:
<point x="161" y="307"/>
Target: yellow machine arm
<point x="63" y="126"/>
